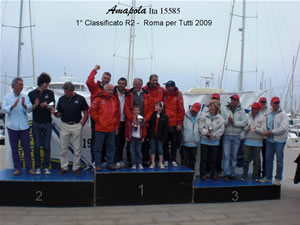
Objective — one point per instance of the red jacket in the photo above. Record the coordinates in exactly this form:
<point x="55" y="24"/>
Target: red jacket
<point x="94" y="87"/>
<point x="128" y="130"/>
<point x="157" y="94"/>
<point x="129" y="105"/>
<point x="105" y="111"/>
<point x="174" y="107"/>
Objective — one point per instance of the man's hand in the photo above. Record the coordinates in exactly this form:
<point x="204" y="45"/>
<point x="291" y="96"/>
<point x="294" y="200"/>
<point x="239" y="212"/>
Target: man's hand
<point x="57" y="114"/>
<point x="44" y="104"/>
<point x="23" y="103"/>
<point x="142" y="140"/>
<point x="267" y="133"/>
<point x="249" y="127"/>
<point x="230" y="120"/>
<point x="97" y="67"/>
<point x="253" y="129"/>
<point x="15" y="104"/>
<point x="117" y="131"/>
<point x="178" y="128"/>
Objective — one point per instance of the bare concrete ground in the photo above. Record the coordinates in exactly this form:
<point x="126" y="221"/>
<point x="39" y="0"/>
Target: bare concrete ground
<point x="285" y="211"/>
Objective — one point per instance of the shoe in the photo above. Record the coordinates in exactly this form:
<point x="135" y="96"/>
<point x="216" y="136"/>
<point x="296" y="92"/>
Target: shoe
<point x="166" y="163"/>
<point x="220" y="174"/>
<point x="111" y="167"/>
<point x="77" y="172"/>
<point x="141" y="167"/>
<point x="133" y="167"/>
<point x="17" y="172"/>
<point x="161" y="166"/>
<point x="122" y="164"/>
<point x="225" y="178"/>
<point x="244" y="178"/>
<point x="118" y="165"/>
<point x="62" y="171"/>
<point x="47" y="171"/>
<point x="265" y="180"/>
<point x="98" y="168"/>
<point x="174" y="164"/>
<point x="203" y="178"/>
<point x="276" y="182"/>
<point x="31" y="172"/>
<point x="232" y="177"/>
<point x="152" y="166"/>
<point x="38" y="171"/>
<point x="214" y="177"/>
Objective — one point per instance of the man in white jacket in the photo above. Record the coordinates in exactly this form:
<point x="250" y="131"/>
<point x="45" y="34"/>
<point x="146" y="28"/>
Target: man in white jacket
<point x="277" y="125"/>
<point x="254" y="140"/>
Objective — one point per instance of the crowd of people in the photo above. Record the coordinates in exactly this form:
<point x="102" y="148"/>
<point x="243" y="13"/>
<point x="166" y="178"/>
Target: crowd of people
<point x="149" y="125"/>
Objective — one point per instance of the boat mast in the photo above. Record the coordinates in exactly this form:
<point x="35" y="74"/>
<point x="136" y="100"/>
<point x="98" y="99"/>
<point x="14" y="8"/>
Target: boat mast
<point x="131" y="48"/>
<point x="227" y="44"/>
<point x="20" y="39"/>
<point x="240" y="85"/>
<point x="32" y="51"/>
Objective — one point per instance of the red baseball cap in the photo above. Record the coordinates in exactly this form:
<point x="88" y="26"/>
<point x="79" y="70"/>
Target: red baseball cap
<point x="235" y="96"/>
<point x="262" y="99"/>
<point x="256" y="105"/>
<point x="275" y="99"/>
<point x="196" y="107"/>
<point x="215" y="95"/>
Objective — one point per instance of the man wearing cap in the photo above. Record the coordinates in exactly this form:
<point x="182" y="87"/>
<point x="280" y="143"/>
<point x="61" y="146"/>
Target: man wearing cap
<point x="277" y="133"/>
<point x="175" y="110"/>
<point x="140" y="97"/>
<point x="253" y="143"/>
<point x="95" y="87"/>
<point x="234" y="120"/>
<point x="264" y="111"/>
<point x="191" y="136"/>
<point x="70" y="108"/>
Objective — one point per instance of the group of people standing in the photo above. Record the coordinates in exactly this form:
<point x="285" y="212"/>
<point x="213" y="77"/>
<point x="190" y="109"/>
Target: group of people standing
<point x="147" y="118"/>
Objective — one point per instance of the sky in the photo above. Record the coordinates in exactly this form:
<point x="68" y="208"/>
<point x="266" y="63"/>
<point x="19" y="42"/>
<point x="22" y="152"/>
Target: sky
<point x="184" y="54"/>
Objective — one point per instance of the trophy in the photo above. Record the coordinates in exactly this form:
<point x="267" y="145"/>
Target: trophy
<point x="210" y="129"/>
<point x="50" y="105"/>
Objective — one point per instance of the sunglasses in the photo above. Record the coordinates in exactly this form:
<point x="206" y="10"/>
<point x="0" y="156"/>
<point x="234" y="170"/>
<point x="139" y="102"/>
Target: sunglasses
<point x="276" y="103"/>
<point x="263" y="102"/>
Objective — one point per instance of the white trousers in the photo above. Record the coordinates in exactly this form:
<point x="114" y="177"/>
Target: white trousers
<point x="70" y="134"/>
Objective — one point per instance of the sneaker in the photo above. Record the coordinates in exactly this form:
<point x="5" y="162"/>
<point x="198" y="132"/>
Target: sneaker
<point x="38" y="171"/>
<point x="225" y="178"/>
<point x="203" y="178"/>
<point x="122" y="164"/>
<point x="17" y="172"/>
<point x="118" y="165"/>
<point x="264" y="180"/>
<point x="77" y="172"/>
<point x="220" y="174"/>
<point x="214" y="177"/>
<point x="152" y="166"/>
<point x="166" y="163"/>
<point x="133" y="167"/>
<point x="141" y="167"/>
<point x="161" y="166"/>
<point x="276" y="182"/>
<point x="47" y="171"/>
<point x="244" y="178"/>
<point x="98" y="168"/>
<point x="62" y="171"/>
<point x="31" y="172"/>
<point x="174" y="164"/>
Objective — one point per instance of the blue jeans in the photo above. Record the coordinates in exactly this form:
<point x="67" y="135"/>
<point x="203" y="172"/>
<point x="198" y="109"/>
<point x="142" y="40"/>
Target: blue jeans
<point x="109" y="138"/>
<point x="231" y="146"/>
<point x="136" y="151"/>
<point x="271" y="149"/>
<point x="156" y="145"/>
<point x="42" y="137"/>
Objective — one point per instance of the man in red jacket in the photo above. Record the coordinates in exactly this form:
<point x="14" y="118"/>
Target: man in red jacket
<point x="156" y="92"/>
<point x="95" y="87"/>
<point x="139" y="96"/>
<point x="105" y="111"/>
<point x="175" y="110"/>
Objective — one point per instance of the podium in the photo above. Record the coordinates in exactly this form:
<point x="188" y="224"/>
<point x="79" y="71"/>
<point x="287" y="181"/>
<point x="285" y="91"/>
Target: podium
<point x="234" y="191"/>
<point x="148" y="186"/>
<point x="46" y="190"/>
